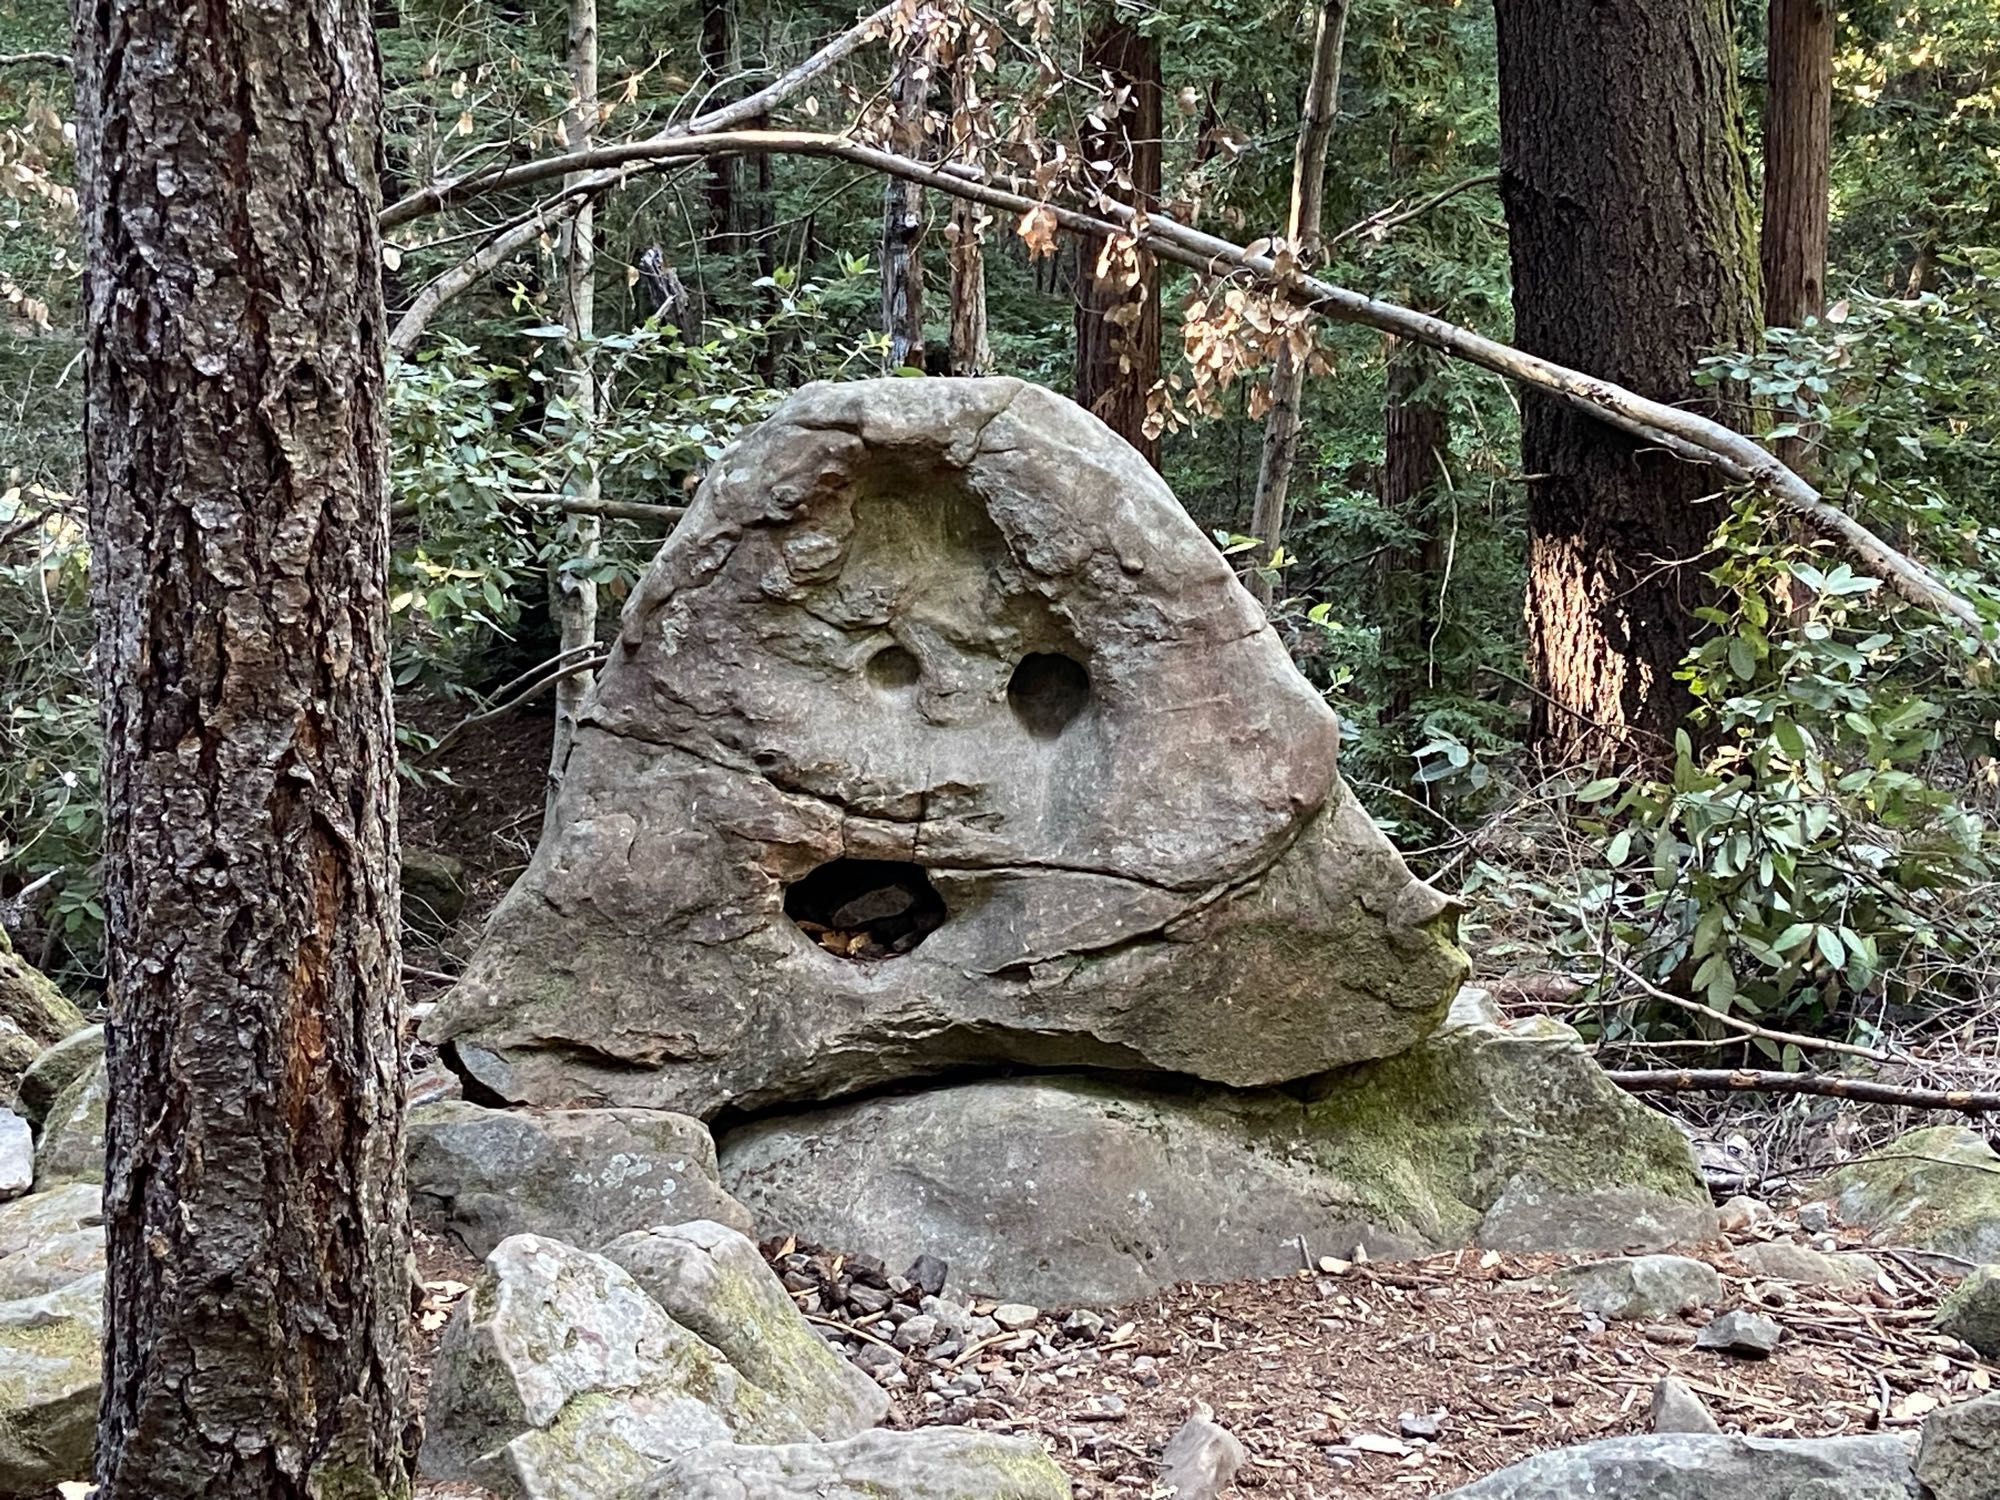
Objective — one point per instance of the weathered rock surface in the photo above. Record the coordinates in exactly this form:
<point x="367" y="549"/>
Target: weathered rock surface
<point x="1934" y="1189"/>
<point x="1781" y="1260"/>
<point x="933" y="1463"/>
<point x="714" y="1282"/>
<point x="1643" y="1286"/>
<point x="72" y="1145"/>
<point x="1676" y="1408"/>
<point x="434" y="890"/>
<point x="1748" y="1335"/>
<point x="559" y="1379"/>
<point x="56" y="1069"/>
<point x="1960" y="1456"/>
<point x="17" y="1155"/>
<point x="49" y="1354"/>
<point x="49" y="1240"/>
<point x="33" y="1007"/>
<point x="953" y="651"/>
<point x="1972" y="1311"/>
<point x="1078" y="1191"/>
<point x="1692" y="1467"/>
<point x="581" y="1176"/>
<point x="1201" y="1458"/>
<point x="18" y="1052"/>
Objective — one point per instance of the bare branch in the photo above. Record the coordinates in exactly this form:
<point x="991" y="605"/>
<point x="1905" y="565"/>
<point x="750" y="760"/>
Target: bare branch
<point x="468" y="272"/>
<point x="46" y="59"/>
<point x="1741" y="1026"/>
<point x="1756" y="1081"/>
<point x="569" y="664"/>
<point x="1379" y="224"/>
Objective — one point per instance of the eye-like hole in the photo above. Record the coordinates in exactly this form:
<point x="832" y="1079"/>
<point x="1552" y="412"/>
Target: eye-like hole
<point x="866" y="909"/>
<point x="892" y="669"/>
<point x="1046" y="691"/>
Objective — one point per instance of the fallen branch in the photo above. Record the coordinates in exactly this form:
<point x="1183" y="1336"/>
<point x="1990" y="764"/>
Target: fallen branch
<point x="585" y="658"/>
<point x="48" y="59"/>
<point x="1760" y="1081"/>
<point x="1747" y="1028"/>
<point x="1379" y="224"/>
<point x="1685" y="434"/>
<point x="470" y="271"/>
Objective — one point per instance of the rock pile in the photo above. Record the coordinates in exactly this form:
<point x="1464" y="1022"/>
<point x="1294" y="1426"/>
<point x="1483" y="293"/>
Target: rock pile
<point x="938" y="740"/>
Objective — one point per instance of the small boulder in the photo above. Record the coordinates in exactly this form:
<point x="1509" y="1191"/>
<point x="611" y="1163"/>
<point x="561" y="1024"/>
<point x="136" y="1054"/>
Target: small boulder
<point x="17" y="1155"/>
<point x="1015" y="1316"/>
<point x="49" y="1240"/>
<point x="1781" y="1260"/>
<point x="1643" y="1287"/>
<point x="434" y="891"/>
<point x="1687" y="1466"/>
<point x="1201" y="1459"/>
<point x="56" y="1069"/>
<point x="1932" y="1189"/>
<point x="1749" y="1335"/>
<point x="1960" y="1455"/>
<point x="558" y="1378"/>
<point x="1971" y="1313"/>
<point x="49" y="1353"/>
<point x="1676" y="1408"/>
<point x="932" y="1463"/>
<point x="33" y="1006"/>
<point x="72" y="1148"/>
<point x="713" y="1282"/>
<point x="585" y="1176"/>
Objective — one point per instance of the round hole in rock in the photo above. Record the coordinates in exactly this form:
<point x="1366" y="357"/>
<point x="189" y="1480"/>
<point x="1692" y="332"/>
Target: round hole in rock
<point x="866" y="909"/>
<point x="1046" y="691"/>
<point x="892" y="669"/>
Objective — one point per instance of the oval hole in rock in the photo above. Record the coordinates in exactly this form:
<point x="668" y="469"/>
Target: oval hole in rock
<point x="1046" y="691"/>
<point x="892" y="669"/>
<point x="866" y="909"/>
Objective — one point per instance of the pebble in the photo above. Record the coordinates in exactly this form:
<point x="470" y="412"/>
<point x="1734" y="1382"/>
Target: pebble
<point x="1015" y="1316"/>
<point x="1815" y="1218"/>
<point x="928" y="1273"/>
<point x="868" y="1299"/>
<point x="1425" y="1425"/>
<point x="1751" y="1335"/>
<point x="918" y="1332"/>
<point x="1676" y="1408"/>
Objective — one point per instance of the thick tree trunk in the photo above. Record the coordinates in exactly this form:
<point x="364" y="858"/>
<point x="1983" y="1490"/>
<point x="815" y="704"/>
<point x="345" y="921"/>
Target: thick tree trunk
<point x="1118" y="283"/>
<point x="1416" y="432"/>
<point x="1798" y="145"/>
<point x="722" y="60"/>
<point x="572" y="589"/>
<point x="1629" y="216"/>
<point x="903" y="210"/>
<point x="971" y="353"/>
<point x="1303" y="229"/>
<point x="259" y="1280"/>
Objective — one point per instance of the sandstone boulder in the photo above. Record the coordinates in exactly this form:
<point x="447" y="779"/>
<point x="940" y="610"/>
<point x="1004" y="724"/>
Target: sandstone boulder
<point x="1781" y="1260"/>
<point x="1932" y="1189"/>
<point x="1960" y="1456"/>
<point x="49" y="1353"/>
<point x="582" y="1176"/>
<point x="1643" y="1287"/>
<point x="1688" y="1466"/>
<point x="56" y="1069"/>
<point x="38" y="1015"/>
<point x="72" y="1144"/>
<point x="933" y="1463"/>
<point x="938" y="734"/>
<point x="49" y="1240"/>
<point x="17" y="1155"/>
<point x="1083" y="1191"/>
<point x="1971" y="1313"/>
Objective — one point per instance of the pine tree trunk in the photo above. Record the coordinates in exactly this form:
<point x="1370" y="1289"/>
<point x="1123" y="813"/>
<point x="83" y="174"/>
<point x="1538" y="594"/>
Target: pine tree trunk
<point x="1416" y="433"/>
<point x="1281" y="426"/>
<point x="1118" y="289"/>
<point x="571" y="588"/>
<point x="903" y="211"/>
<point x="1629" y="217"/>
<point x="971" y="353"/>
<point x="722" y="60"/>
<point x="1798" y="145"/>
<point x="258" y="1291"/>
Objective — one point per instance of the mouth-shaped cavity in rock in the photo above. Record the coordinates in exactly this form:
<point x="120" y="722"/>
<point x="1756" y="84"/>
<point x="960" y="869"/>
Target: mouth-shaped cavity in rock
<point x="1046" y="691"/>
<point x="866" y="909"/>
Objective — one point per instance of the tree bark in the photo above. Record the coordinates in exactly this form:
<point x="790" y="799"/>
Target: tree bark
<point x="1118" y="283"/>
<point x="1416" y="433"/>
<point x="258" y="1289"/>
<point x="1629" y="218"/>
<point x="1303" y="229"/>
<point x="1798" y="145"/>
<point x="903" y="209"/>
<point x="971" y="352"/>
<point x="722" y="60"/>
<point x="572" y="589"/>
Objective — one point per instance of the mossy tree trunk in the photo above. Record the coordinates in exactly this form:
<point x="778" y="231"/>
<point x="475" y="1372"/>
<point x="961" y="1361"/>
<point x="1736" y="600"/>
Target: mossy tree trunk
<point x="258" y="1297"/>
<point x="1628" y="210"/>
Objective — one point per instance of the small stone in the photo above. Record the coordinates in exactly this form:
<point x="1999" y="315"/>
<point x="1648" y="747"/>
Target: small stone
<point x="868" y="1300"/>
<point x="1781" y="1260"/>
<point x="1015" y="1316"/>
<point x="1960" y="1455"/>
<point x="1740" y="1213"/>
<point x="928" y="1273"/>
<point x="1083" y="1323"/>
<point x="1971" y="1313"/>
<point x="875" y="1359"/>
<point x="1676" y="1408"/>
<point x="1643" y="1287"/>
<point x="1815" y="1218"/>
<point x="17" y="1155"/>
<point x="1105" y="1408"/>
<point x="1201" y="1459"/>
<point x="917" y="1333"/>
<point x="1420" y="1424"/>
<point x="1748" y="1334"/>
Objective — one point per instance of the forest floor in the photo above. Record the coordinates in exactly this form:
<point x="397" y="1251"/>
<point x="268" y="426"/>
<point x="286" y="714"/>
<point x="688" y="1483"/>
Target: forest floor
<point x="1329" y="1380"/>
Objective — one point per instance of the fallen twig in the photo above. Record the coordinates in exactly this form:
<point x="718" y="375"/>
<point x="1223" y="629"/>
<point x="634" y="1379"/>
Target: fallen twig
<point x="1764" y="1081"/>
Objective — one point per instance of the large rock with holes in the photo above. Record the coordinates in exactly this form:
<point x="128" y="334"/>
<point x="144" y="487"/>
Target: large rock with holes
<point x="1067" y="1190"/>
<point x="937" y="735"/>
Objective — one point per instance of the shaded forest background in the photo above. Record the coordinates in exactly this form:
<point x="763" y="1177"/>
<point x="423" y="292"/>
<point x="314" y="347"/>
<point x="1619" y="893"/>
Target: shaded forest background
<point x="1791" y="834"/>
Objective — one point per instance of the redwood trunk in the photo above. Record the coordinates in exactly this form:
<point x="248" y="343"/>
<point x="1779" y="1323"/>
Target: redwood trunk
<point x="1416" y="432"/>
<point x="1628" y="213"/>
<point x="258" y="1290"/>
<point x="1118" y="293"/>
<point x="1798" y="142"/>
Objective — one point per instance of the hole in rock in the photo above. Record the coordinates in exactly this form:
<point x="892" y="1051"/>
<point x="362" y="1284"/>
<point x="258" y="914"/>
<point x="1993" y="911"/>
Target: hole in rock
<point x="892" y="669"/>
<point x="1047" y="691"/>
<point x="866" y="909"/>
